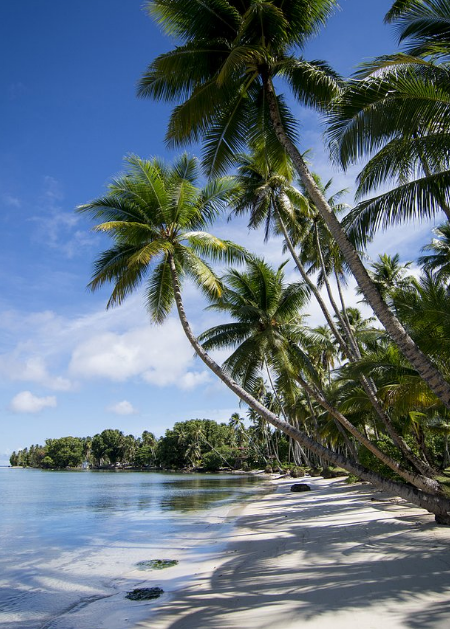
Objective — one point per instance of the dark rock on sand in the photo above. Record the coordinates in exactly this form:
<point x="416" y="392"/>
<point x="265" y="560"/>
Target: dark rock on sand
<point x="300" y="487"/>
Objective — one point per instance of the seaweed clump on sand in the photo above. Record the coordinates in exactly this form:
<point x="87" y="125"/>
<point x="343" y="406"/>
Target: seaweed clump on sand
<point x="144" y="594"/>
<point x="157" y="564"/>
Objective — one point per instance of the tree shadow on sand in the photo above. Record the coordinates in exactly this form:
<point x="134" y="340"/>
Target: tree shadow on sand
<point x="333" y="551"/>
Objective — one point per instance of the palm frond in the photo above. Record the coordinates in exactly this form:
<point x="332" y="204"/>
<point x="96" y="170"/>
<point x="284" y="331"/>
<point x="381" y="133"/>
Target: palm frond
<point x="418" y="199"/>
<point x="160" y="297"/>
<point x="313" y="83"/>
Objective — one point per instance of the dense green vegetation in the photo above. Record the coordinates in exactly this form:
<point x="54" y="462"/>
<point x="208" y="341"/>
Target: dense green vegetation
<point x="193" y="444"/>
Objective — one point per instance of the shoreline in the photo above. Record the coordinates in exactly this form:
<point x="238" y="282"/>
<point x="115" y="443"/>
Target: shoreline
<point x="339" y="556"/>
<point x="72" y="567"/>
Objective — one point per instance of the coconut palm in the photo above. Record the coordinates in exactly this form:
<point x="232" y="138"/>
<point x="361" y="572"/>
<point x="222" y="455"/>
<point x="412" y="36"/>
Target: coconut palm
<point x="267" y="336"/>
<point x="400" y="111"/>
<point x="155" y="216"/>
<point x="438" y="262"/>
<point x="320" y="250"/>
<point x="322" y="256"/>
<point x="236" y="423"/>
<point x="401" y="114"/>
<point x="424" y="25"/>
<point x="266" y="191"/>
<point x="223" y="72"/>
<point x="425" y="311"/>
<point x="389" y="274"/>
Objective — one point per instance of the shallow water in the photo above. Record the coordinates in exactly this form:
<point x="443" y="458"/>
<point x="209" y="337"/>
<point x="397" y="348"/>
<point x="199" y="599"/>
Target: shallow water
<point x="70" y="541"/>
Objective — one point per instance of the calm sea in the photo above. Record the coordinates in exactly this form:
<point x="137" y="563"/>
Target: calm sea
<point x="70" y="541"/>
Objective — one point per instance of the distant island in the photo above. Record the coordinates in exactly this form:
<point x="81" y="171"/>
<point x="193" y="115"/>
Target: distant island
<point x="196" y="444"/>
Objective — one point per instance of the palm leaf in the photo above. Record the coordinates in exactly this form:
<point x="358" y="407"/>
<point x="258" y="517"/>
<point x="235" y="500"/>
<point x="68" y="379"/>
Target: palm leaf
<point x="160" y="296"/>
<point x="417" y="199"/>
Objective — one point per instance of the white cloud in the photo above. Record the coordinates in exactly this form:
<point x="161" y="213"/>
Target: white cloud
<point x="17" y="366"/>
<point x="12" y="201"/>
<point x="26" y="402"/>
<point x="56" y="227"/>
<point x="158" y="355"/>
<point x="192" y="379"/>
<point x="122" y="408"/>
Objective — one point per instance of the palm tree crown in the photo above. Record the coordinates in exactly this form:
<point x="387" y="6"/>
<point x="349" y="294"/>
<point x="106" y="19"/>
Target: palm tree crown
<point x="155" y="214"/>
<point x="266" y="321"/>
<point x="438" y="261"/>
<point x="229" y="50"/>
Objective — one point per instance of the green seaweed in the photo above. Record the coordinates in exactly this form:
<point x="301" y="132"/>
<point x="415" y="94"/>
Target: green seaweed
<point x="144" y="594"/>
<point x="157" y="564"/>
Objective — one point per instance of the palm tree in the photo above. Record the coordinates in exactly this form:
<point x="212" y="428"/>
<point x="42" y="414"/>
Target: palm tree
<point x="236" y="423"/>
<point x="389" y="275"/>
<point x="224" y="72"/>
<point x="425" y="311"/>
<point x="438" y="262"/>
<point x="320" y="250"/>
<point x="267" y="336"/>
<point x="265" y="190"/>
<point x="153" y="214"/>
<point x="400" y="111"/>
<point x="424" y="25"/>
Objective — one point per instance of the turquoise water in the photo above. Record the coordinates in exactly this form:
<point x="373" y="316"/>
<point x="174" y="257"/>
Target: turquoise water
<point x="70" y="541"/>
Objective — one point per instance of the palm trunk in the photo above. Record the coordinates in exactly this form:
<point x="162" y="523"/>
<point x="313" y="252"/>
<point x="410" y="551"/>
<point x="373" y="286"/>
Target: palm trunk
<point x="418" y="480"/>
<point x="351" y="351"/>
<point x="311" y="286"/>
<point x="426" y="369"/>
<point x="352" y="347"/>
<point x="344" y="309"/>
<point x="282" y="411"/>
<point x="433" y="503"/>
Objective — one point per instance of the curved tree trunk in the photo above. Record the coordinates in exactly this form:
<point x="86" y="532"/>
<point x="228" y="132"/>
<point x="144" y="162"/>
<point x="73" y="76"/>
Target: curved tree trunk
<point x="344" y="308"/>
<point x="351" y="351"/>
<point x="418" y="480"/>
<point x="436" y="504"/>
<point x="351" y="342"/>
<point x="425" y="368"/>
<point x="311" y="285"/>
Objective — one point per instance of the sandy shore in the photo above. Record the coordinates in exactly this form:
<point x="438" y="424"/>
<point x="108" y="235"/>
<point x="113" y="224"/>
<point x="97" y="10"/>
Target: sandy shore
<point x="332" y="558"/>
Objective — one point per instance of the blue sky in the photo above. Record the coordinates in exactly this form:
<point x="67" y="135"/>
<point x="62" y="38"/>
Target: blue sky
<point x="69" y="115"/>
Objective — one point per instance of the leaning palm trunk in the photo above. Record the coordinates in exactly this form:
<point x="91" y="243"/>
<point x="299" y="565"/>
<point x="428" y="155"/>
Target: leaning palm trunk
<point x="311" y="285"/>
<point x="426" y="369"/>
<point x="436" y="504"/>
<point x="351" y="342"/>
<point x="283" y="413"/>
<point x="418" y="480"/>
<point x="350" y="349"/>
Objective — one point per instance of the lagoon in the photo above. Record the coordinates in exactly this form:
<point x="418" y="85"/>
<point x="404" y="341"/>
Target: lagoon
<point x="70" y="542"/>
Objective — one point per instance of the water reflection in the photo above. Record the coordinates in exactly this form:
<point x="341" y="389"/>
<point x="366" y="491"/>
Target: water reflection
<point x="168" y="492"/>
<point x="193" y="501"/>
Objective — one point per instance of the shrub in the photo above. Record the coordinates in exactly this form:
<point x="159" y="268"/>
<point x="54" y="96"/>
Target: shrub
<point x="333" y="472"/>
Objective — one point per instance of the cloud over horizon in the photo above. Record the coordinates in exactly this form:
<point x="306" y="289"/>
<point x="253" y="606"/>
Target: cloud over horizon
<point x="26" y="402"/>
<point x="122" y="408"/>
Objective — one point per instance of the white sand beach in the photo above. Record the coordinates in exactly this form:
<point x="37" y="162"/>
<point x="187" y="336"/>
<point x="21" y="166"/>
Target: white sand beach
<point x="340" y="556"/>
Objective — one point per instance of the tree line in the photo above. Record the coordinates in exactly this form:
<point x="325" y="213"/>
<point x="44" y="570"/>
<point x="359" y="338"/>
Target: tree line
<point x="196" y="444"/>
